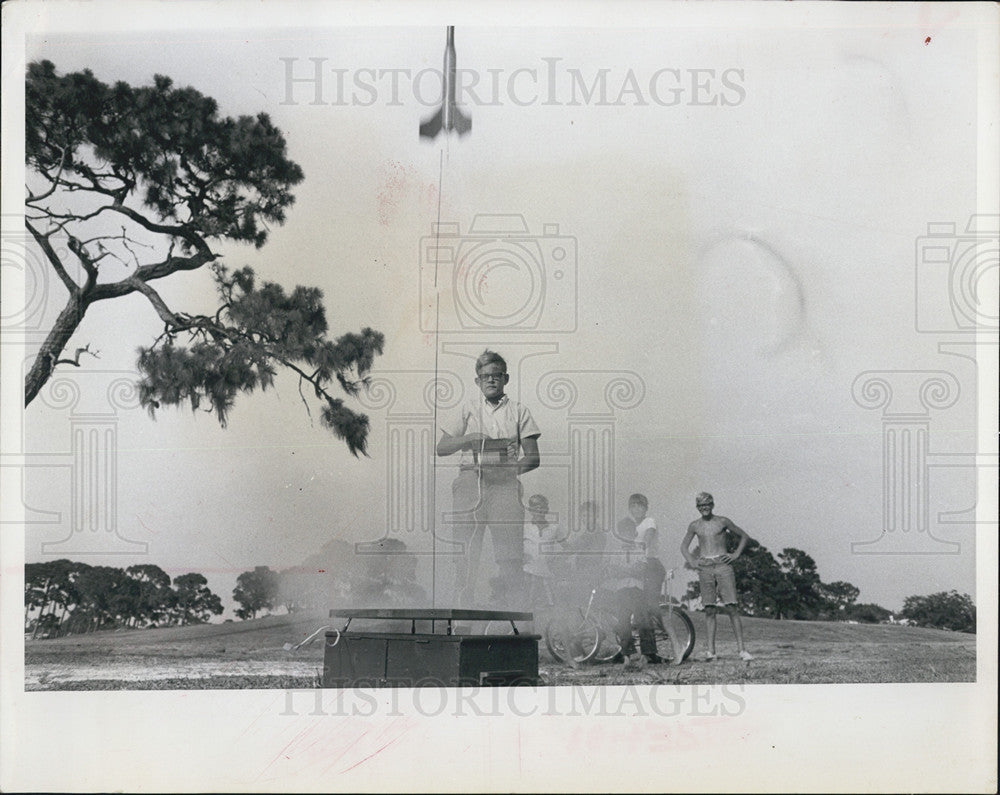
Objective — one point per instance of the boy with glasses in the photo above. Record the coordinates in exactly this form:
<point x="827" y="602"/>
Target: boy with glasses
<point x="498" y="441"/>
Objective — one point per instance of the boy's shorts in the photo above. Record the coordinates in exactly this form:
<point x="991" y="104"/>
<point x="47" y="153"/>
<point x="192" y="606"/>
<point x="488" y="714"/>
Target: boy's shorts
<point x="718" y="585"/>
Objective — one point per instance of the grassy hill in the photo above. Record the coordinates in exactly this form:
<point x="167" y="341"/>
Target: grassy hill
<point x="251" y="654"/>
<point x="806" y="652"/>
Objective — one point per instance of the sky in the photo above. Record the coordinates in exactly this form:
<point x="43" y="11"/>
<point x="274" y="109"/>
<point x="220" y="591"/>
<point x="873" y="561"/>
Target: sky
<point x="736" y="226"/>
<point x="732" y="287"/>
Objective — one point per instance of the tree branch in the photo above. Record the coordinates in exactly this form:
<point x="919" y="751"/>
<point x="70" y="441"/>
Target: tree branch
<point x="89" y="266"/>
<point x="115" y="193"/>
<point x="165" y="313"/>
<point x="304" y="401"/>
<point x="71" y="217"/>
<point x="55" y="182"/>
<point x="128" y="248"/>
<point x="175" y="231"/>
<point x="71" y="185"/>
<point x="147" y="273"/>
<point x="53" y="258"/>
<point x="75" y="361"/>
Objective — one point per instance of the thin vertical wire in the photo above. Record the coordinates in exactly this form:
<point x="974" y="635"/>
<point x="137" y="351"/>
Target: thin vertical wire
<point x="437" y="332"/>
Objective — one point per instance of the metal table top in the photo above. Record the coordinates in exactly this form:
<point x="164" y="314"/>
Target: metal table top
<point x="432" y="614"/>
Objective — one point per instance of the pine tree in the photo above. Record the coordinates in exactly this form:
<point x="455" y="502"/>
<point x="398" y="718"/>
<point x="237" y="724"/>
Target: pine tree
<point x="129" y="185"/>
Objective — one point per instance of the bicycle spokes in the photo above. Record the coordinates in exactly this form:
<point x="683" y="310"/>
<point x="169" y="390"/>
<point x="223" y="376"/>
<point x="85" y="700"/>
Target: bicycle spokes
<point x="674" y="634"/>
<point x="571" y="641"/>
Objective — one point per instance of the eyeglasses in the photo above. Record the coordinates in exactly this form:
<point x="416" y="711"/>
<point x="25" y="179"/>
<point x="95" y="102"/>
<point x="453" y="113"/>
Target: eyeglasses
<point x="704" y="504"/>
<point x="492" y="376"/>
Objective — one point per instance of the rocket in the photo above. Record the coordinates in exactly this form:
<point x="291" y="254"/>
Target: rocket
<point x="448" y="117"/>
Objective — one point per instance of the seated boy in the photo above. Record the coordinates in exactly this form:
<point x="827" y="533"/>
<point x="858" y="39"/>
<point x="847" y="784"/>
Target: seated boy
<point x="544" y="552"/>
<point x="622" y="587"/>
<point x="639" y="536"/>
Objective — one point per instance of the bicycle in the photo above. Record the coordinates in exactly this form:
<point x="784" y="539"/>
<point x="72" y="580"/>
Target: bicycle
<point x="590" y="635"/>
<point x="506" y="627"/>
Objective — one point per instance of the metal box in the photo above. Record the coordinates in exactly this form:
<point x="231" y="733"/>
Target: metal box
<point x="400" y="659"/>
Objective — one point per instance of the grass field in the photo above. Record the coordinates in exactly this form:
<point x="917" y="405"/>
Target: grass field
<point x="250" y="654"/>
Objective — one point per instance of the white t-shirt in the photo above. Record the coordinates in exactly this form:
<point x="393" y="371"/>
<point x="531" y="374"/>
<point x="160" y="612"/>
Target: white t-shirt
<point x="540" y="547"/>
<point x="626" y="555"/>
<point x="508" y="419"/>
<point x="652" y="540"/>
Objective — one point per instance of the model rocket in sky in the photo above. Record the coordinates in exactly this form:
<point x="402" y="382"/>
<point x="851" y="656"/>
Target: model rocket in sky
<point x="448" y="117"/>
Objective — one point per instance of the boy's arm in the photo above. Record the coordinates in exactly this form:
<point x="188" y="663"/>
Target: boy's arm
<point x="527" y="435"/>
<point x="685" y="547"/>
<point x="730" y="525"/>
<point x="530" y="460"/>
<point x="648" y="527"/>
<point x="452" y="444"/>
<point x="454" y="436"/>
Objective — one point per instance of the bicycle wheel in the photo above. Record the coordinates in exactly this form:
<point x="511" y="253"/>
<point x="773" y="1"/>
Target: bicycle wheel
<point x="572" y="640"/>
<point x="608" y="646"/>
<point x="674" y="633"/>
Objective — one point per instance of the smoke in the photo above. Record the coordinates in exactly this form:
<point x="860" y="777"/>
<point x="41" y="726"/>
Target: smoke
<point x="566" y="566"/>
<point x="342" y="575"/>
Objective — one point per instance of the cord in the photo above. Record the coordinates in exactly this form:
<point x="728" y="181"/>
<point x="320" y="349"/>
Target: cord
<point x="437" y="334"/>
<point x="310" y="639"/>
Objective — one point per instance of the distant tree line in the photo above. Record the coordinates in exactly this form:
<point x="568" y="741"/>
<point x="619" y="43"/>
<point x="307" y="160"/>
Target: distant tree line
<point x="789" y="587"/>
<point x="65" y="596"/>
<point x="944" y="610"/>
<point x="382" y="574"/>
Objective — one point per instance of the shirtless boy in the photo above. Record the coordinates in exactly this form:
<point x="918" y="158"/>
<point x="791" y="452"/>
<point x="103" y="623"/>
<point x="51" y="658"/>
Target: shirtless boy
<point x="715" y="571"/>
